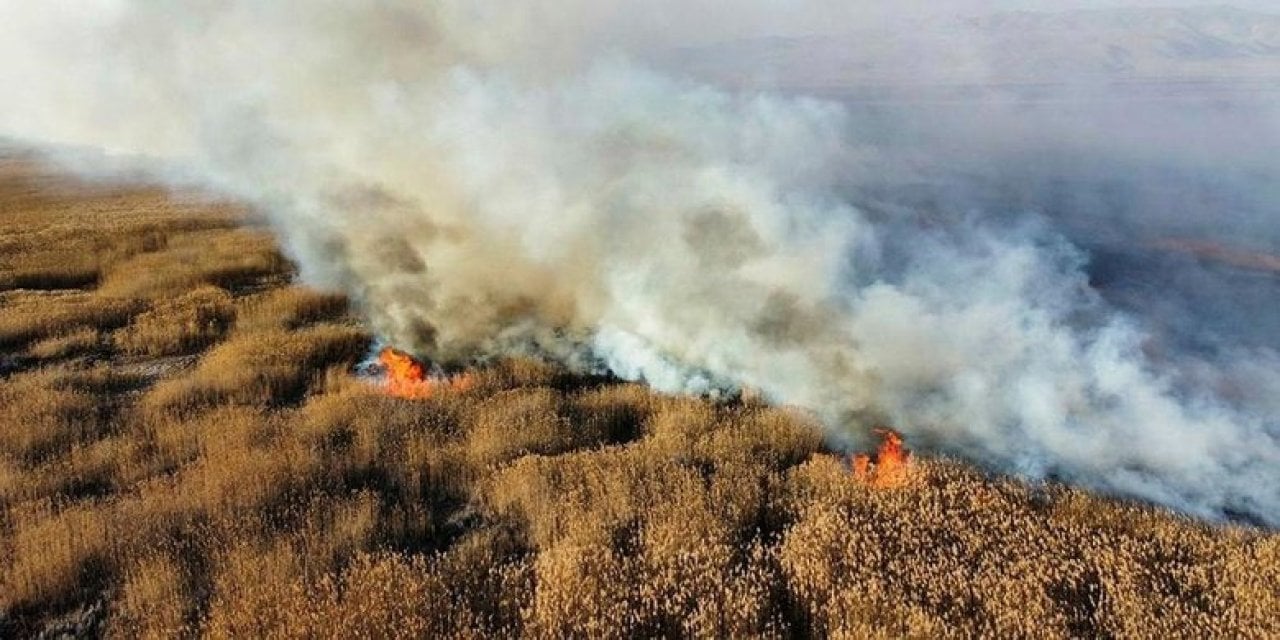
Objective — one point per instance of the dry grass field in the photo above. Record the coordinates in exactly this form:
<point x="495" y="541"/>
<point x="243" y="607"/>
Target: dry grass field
<point x="185" y="451"/>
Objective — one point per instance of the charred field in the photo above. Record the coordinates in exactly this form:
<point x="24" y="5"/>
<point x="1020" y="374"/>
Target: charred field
<point x="187" y="451"/>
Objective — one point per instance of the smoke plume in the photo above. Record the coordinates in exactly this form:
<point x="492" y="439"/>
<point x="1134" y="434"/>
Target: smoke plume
<point x="488" y="177"/>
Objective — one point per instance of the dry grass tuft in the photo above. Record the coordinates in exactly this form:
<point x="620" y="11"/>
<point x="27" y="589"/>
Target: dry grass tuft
<point x="259" y="369"/>
<point x="84" y="340"/>
<point x="40" y="415"/>
<point x="290" y="308"/>
<point x="227" y="258"/>
<point x="27" y="318"/>
<point x="186" y="323"/>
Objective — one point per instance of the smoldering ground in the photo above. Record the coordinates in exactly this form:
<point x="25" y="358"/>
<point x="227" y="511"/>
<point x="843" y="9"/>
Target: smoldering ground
<point x="493" y="176"/>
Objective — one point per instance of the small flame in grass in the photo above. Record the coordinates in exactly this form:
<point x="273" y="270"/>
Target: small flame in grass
<point x="892" y="462"/>
<point x="406" y="377"/>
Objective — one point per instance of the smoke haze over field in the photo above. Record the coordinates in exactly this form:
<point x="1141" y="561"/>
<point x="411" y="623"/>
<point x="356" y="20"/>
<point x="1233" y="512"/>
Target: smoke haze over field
<point x="999" y="269"/>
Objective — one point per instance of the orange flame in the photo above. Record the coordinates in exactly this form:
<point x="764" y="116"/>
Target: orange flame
<point x="892" y="464"/>
<point x="407" y="378"/>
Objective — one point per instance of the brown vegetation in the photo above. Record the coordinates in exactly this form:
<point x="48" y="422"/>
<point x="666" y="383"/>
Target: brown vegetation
<point x="184" y="451"/>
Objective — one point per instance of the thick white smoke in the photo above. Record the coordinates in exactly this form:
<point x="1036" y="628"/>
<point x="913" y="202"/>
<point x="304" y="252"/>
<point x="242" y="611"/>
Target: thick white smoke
<point x="483" y="178"/>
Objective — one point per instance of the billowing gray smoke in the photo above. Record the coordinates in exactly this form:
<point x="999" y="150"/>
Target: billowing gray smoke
<point x="484" y="179"/>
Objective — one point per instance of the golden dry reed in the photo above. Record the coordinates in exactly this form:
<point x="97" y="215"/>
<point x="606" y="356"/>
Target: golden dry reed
<point x="185" y="452"/>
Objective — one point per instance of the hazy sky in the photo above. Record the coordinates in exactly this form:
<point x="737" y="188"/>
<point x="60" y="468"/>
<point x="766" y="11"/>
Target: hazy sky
<point x="1060" y="5"/>
<point x="668" y="22"/>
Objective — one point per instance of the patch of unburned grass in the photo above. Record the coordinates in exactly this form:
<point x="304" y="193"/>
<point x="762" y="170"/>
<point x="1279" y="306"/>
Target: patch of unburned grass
<point x="260" y="369"/>
<point x="26" y="318"/>
<point x="183" y="324"/>
<point x="81" y="341"/>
